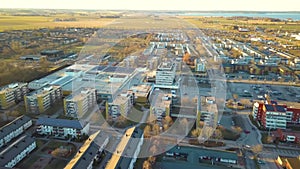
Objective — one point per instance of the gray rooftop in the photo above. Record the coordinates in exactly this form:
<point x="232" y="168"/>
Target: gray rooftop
<point x="14" y="149"/>
<point x="60" y="123"/>
<point x="12" y="126"/>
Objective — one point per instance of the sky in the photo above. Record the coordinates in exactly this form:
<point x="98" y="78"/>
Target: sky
<point x="195" y="5"/>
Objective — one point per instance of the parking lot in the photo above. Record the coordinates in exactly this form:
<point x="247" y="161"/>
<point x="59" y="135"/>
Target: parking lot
<point x="257" y="92"/>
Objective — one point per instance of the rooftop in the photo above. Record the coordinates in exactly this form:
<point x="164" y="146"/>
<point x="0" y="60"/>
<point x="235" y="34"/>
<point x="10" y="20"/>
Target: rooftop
<point x="14" y="149"/>
<point x="275" y="108"/>
<point x="85" y="154"/>
<point x="76" y="124"/>
<point x="166" y="66"/>
<point x="12" y="126"/>
<point x="11" y="86"/>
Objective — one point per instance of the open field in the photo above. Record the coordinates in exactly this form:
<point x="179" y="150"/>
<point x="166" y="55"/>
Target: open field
<point x="8" y="23"/>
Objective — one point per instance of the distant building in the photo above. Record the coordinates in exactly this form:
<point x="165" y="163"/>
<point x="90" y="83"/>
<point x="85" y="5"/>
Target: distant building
<point x="153" y="63"/>
<point x="89" y="152"/>
<point x="275" y="116"/>
<point x="77" y="104"/>
<point x="53" y="55"/>
<point x="200" y="65"/>
<point x="127" y="150"/>
<point x="11" y="94"/>
<point x="165" y="74"/>
<point x="131" y="61"/>
<point x="142" y="92"/>
<point x="15" y="152"/>
<point x="62" y="127"/>
<point x="14" y="129"/>
<point x="121" y="105"/>
<point x="41" y="100"/>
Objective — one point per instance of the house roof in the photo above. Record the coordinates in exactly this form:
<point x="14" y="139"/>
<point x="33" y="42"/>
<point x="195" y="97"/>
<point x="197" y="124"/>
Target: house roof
<point x="14" y="149"/>
<point x="76" y="124"/>
<point x="12" y="126"/>
<point x="276" y="108"/>
<point x="87" y="152"/>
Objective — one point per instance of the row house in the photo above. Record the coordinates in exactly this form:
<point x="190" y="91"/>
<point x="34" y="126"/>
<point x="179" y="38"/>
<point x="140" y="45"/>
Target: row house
<point x="14" y="129"/>
<point x="62" y="127"/>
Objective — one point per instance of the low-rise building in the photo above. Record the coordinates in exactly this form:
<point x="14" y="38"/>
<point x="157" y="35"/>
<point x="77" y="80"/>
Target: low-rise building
<point x="161" y="105"/>
<point x="14" y="129"/>
<point x="208" y="111"/>
<point x="127" y="150"/>
<point x="200" y="65"/>
<point x="275" y="116"/>
<point x="142" y="92"/>
<point x="41" y="100"/>
<point x="89" y="152"/>
<point x="62" y="127"/>
<point x="15" y="152"/>
<point x="77" y="104"/>
<point x="12" y="94"/>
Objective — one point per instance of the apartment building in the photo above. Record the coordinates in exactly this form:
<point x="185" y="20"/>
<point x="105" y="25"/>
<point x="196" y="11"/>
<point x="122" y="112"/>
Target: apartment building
<point x="161" y="105"/>
<point x="89" y="152"/>
<point x="275" y="116"/>
<point x="77" y="104"/>
<point x="61" y="127"/>
<point x="208" y="110"/>
<point x="165" y="74"/>
<point x="121" y="105"/>
<point x="15" y="152"/>
<point x="14" y="129"/>
<point x="41" y="100"/>
<point x="12" y="94"/>
<point x="199" y="65"/>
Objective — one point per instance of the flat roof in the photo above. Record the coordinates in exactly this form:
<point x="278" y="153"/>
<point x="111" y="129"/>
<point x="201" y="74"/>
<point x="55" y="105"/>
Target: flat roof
<point x="275" y="108"/>
<point x="11" y="86"/>
<point x="44" y="90"/>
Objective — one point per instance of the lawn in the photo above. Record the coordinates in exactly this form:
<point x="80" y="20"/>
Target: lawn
<point x="56" y="163"/>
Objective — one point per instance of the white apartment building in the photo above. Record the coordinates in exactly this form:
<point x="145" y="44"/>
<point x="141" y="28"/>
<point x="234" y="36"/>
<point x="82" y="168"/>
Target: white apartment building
<point x="11" y="94"/>
<point x="77" y="104"/>
<point x="62" y="127"/>
<point x="208" y="110"/>
<point x="165" y="74"/>
<point x="200" y="65"/>
<point x="15" y="152"/>
<point x="14" y="129"/>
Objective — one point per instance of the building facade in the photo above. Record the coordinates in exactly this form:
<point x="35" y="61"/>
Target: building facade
<point x="76" y="105"/>
<point x="275" y="116"/>
<point x="62" y="128"/>
<point x="14" y="129"/>
<point x="121" y="105"/>
<point x="165" y="74"/>
<point x="11" y="94"/>
<point x="13" y="154"/>
<point x="41" y="100"/>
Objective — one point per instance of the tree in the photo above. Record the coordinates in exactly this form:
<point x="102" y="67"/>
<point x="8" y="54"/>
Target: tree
<point x="168" y="120"/>
<point x="257" y="148"/>
<point x="156" y="129"/>
<point x="147" y="131"/>
<point x="147" y="165"/>
<point x="218" y="134"/>
<point x="196" y="132"/>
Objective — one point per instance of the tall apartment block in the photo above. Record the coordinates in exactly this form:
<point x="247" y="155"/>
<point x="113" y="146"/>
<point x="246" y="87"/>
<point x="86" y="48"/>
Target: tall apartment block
<point x="12" y="94"/>
<point x="77" y="104"/>
<point x="41" y="100"/>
